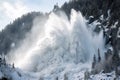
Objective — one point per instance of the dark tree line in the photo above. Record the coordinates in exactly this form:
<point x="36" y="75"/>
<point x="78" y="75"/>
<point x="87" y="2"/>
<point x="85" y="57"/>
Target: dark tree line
<point x="109" y="64"/>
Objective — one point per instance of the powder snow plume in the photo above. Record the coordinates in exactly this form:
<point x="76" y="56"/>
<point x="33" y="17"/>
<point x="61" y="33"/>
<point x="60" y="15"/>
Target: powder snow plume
<point x="57" y="43"/>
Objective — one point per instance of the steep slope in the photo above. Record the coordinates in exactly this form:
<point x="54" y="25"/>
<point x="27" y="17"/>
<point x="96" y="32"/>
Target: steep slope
<point x="58" y="49"/>
<point x="16" y="31"/>
<point x="63" y="47"/>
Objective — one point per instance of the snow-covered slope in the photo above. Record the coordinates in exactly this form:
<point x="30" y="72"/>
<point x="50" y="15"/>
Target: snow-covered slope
<point x="7" y="72"/>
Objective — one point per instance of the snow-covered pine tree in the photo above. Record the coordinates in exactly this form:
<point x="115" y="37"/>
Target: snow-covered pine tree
<point x="99" y="57"/>
<point x="94" y="62"/>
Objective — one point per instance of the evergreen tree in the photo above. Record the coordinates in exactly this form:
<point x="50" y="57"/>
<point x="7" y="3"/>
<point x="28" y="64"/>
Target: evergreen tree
<point x="86" y="75"/>
<point x="13" y="65"/>
<point x="94" y="62"/>
<point x="116" y="60"/>
<point x="108" y="54"/>
<point x="99" y="57"/>
<point x="56" y="78"/>
<point x="65" y="77"/>
<point x="4" y="60"/>
<point x="56" y="7"/>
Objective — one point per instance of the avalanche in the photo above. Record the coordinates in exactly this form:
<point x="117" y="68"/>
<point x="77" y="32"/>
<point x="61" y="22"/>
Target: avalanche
<point x="57" y="49"/>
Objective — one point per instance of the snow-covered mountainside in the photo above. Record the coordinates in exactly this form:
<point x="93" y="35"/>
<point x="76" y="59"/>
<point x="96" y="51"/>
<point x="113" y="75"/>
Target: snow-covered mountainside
<point x="79" y="41"/>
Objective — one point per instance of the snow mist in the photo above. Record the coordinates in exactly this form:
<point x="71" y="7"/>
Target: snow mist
<point x="58" y="42"/>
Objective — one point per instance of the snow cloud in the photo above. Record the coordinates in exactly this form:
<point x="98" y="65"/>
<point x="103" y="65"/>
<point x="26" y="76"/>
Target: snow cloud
<point x="15" y="10"/>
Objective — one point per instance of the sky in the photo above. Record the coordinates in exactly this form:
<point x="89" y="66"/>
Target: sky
<point x="12" y="9"/>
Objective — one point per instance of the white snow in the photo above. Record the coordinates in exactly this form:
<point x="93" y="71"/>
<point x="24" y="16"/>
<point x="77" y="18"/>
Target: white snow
<point x="114" y="26"/>
<point x="57" y="48"/>
<point x="13" y="45"/>
<point x="118" y="33"/>
<point x="103" y="76"/>
<point x="17" y="74"/>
